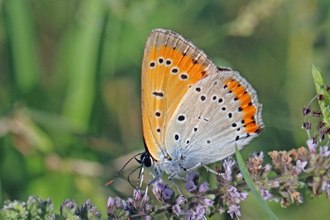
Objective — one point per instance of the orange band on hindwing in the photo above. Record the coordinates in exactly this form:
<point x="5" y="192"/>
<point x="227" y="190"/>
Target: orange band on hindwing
<point x="247" y="107"/>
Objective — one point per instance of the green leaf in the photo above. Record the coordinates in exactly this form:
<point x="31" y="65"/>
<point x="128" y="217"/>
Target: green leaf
<point x="317" y="75"/>
<point x="321" y="89"/>
<point x="251" y="185"/>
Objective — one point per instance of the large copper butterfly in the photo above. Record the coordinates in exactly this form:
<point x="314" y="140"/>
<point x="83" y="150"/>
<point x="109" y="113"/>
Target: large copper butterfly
<point x="193" y="112"/>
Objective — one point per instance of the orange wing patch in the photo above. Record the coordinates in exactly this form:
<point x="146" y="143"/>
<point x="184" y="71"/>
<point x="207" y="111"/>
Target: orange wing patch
<point x="246" y="106"/>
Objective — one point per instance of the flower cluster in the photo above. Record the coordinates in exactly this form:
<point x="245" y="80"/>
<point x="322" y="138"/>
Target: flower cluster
<point x="289" y="166"/>
<point x="321" y="128"/>
<point x="136" y="207"/>
<point x="290" y="170"/>
<point x="319" y="167"/>
<point x="71" y="211"/>
<point x="199" y="204"/>
<point x="34" y="208"/>
<point x="229" y="196"/>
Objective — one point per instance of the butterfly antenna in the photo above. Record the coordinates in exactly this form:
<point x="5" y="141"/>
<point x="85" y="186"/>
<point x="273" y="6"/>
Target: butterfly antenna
<point x="130" y="175"/>
<point x="113" y="179"/>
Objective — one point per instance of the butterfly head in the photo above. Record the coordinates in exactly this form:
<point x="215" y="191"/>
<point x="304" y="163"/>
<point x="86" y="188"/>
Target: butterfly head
<point x="146" y="160"/>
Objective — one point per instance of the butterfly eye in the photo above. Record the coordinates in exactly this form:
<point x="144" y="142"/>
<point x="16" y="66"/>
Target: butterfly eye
<point x="146" y="160"/>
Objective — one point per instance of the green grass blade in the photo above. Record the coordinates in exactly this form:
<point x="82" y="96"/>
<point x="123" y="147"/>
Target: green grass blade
<point x="251" y="185"/>
<point x="82" y="68"/>
<point x="23" y="45"/>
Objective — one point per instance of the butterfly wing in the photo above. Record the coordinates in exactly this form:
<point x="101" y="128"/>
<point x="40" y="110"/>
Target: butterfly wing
<point x="170" y="66"/>
<point x="217" y="113"/>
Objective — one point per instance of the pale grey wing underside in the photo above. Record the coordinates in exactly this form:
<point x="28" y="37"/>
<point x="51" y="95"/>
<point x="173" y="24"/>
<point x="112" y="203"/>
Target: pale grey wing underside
<point x="208" y="124"/>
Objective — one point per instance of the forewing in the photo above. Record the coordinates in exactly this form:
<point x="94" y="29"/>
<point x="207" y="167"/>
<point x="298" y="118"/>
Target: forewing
<point x="170" y="66"/>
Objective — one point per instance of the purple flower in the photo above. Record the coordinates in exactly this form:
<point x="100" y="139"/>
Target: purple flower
<point x="273" y="184"/>
<point x="137" y="195"/>
<point x="276" y="199"/>
<point x="189" y="214"/>
<point x="177" y="210"/>
<point x="162" y="191"/>
<point x="267" y="168"/>
<point x="227" y="165"/>
<point x="124" y="204"/>
<point x="111" y="202"/>
<point x="167" y="193"/>
<point x="115" y="207"/>
<point x="158" y="188"/>
<point x="222" y="210"/>
<point x="327" y="189"/>
<point x="324" y="183"/>
<point x="233" y="195"/>
<point x="147" y="217"/>
<point x="265" y="193"/>
<point x="203" y="187"/>
<point x="259" y="155"/>
<point x="200" y="211"/>
<point x="300" y="166"/>
<point x="307" y="111"/>
<point x="193" y="176"/>
<point x="243" y="195"/>
<point x="145" y="199"/>
<point x="148" y="208"/>
<point x="130" y="201"/>
<point x="324" y="152"/>
<point x="119" y="203"/>
<point x="190" y="186"/>
<point x="207" y="202"/>
<point x="234" y="209"/>
<point x="311" y="146"/>
<point x="233" y="192"/>
<point x="239" y="176"/>
<point x="180" y="200"/>
<point x="110" y="205"/>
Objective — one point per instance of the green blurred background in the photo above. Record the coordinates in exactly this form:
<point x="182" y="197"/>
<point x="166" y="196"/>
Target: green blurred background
<point x="70" y="86"/>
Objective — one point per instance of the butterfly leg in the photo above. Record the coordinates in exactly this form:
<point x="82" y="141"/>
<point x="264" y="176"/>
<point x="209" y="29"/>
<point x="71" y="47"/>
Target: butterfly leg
<point x="211" y="170"/>
<point x="142" y="176"/>
<point x="206" y="167"/>
<point x="151" y="182"/>
<point x="176" y="176"/>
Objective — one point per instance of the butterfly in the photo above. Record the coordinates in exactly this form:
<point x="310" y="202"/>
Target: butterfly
<point x="193" y="112"/>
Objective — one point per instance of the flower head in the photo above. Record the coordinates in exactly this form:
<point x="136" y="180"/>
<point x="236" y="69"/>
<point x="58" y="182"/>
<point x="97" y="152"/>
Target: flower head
<point x="190" y="186"/>
<point x="207" y="202"/>
<point x="324" y="151"/>
<point x="234" y="209"/>
<point x="227" y="166"/>
<point x="176" y="209"/>
<point x="265" y="193"/>
<point x="192" y="181"/>
<point x="203" y="187"/>
<point x="167" y="193"/>
<point x="311" y="146"/>
<point x="300" y="166"/>
<point x="162" y="191"/>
